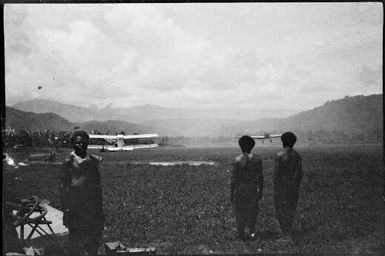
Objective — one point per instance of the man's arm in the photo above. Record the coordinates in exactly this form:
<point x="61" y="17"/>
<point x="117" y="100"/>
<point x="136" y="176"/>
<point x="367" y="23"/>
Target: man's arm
<point x="299" y="171"/>
<point x="234" y="179"/>
<point x="276" y="171"/>
<point x="64" y="185"/>
<point x="260" y="180"/>
<point x="65" y="182"/>
<point x="98" y="197"/>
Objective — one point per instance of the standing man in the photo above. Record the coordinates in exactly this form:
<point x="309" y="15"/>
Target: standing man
<point x="287" y="178"/>
<point x="81" y="196"/>
<point x="246" y="187"/>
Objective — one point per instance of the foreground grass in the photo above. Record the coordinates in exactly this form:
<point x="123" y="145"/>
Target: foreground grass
<point x="185" y="209"/>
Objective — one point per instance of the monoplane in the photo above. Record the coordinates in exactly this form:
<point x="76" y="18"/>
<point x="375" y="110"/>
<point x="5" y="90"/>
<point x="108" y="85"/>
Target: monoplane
<point x="122" y="142"/>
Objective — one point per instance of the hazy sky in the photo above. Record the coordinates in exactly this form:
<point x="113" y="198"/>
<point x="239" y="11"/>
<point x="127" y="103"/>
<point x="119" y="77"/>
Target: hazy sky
<point x="228" y="55"/>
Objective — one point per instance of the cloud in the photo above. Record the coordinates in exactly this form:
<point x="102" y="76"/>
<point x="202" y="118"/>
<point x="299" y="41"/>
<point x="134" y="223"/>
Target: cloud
<point x="244" y="55"/>
<point x="163" y="64"/>
<point x="371" y="77"/>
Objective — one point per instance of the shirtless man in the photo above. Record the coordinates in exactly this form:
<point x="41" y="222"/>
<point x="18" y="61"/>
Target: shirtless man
<point x="81" y="196"/>
<point x="246" y="187"/>
<point x="287" y="178"/>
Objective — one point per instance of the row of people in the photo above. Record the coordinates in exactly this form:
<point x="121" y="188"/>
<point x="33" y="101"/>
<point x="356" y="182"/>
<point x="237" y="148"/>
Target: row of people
<point x="28" y="138"/>
<point x="247" y="186"/>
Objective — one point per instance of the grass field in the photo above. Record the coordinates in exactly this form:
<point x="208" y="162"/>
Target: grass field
<point x="186" y="209"/>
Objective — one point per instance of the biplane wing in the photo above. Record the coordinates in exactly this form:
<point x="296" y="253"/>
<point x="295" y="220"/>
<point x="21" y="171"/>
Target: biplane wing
<point x="115" y="137"/>
<point x="105" y="137"/>
<point x="258" y="137"/>
<point x="111" y="148"/>
<point x="143" y="146"/>
<point x="267" y="136"/>
<point x="140" y="136"/>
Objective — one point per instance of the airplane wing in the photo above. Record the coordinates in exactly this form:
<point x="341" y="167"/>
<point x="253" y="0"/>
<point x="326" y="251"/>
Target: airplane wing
<point x="114" y="137"/>
<point x="110" y="148"/>
<point x="105" y="147"/>
<point x="139" y="146"/>
<point x="143" y="146"/>
<point x="106" y="137"/>
<point x="114" y="149"/>
<point x="140" y="136"/>
<point x="258" y="137"/>
<point x="97" y="146"/>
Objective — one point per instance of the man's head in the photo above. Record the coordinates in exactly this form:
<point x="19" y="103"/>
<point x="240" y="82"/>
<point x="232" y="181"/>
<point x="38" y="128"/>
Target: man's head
<point x="246" y="143"/>
<point x="79" y="141"/>
<point x="288" y="139"/>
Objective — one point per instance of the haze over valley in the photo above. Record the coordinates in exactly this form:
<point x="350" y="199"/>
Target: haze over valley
<point x="359" y="114"/>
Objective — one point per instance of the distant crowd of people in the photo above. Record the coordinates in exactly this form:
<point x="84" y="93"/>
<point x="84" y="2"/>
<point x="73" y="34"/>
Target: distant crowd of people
<point x="37" y="138"/>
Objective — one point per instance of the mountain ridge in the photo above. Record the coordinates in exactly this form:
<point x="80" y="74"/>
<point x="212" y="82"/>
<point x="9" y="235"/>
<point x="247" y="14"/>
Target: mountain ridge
<point x="352" y="114"/>
<point x="137" y="114"/>
<point x="21" y="120"/>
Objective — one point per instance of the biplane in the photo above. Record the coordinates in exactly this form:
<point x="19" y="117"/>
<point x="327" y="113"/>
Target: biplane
<point x="265" y="136"/>
<point x="122" y="142"/>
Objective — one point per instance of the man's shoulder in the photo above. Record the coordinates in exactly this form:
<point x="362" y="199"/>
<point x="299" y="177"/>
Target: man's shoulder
<point x="256" y="157"/>
<point x="68" y="160"/>
<point x="243" y="157"/>
<point x="296" y="154"/>
<point x="280" y="154"/>
<point x="238" y="158"/>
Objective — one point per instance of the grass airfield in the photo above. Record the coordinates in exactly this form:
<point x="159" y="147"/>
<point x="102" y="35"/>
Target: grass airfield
<point x="186" y="210"/>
